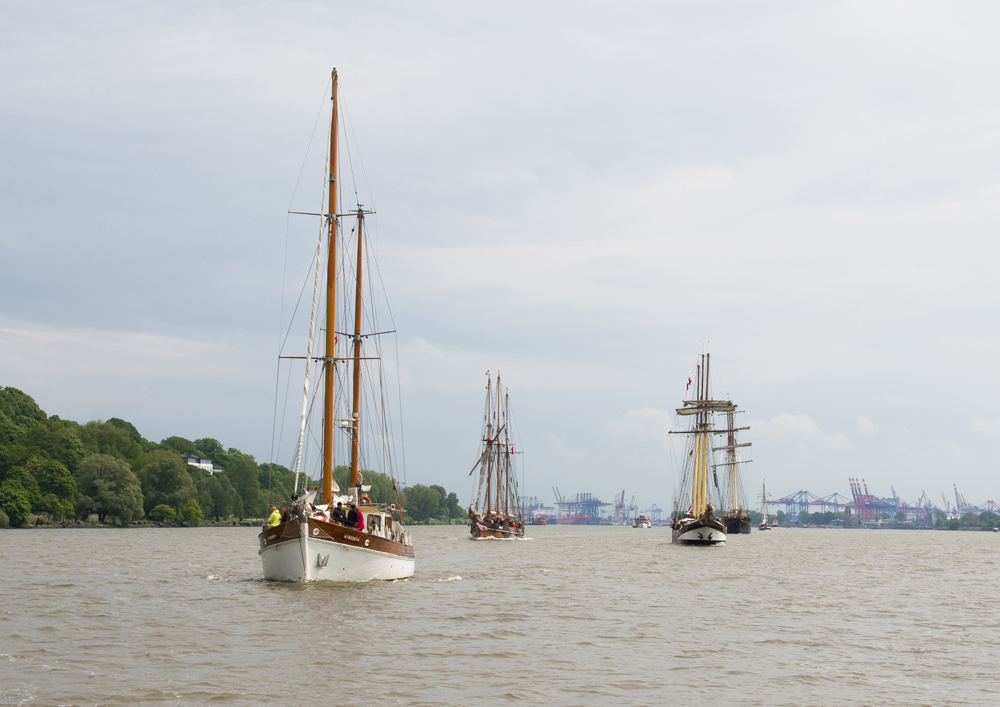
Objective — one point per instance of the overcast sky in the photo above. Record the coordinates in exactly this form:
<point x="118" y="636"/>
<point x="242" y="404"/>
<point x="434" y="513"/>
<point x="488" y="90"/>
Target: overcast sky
<point x="579" y="194"/>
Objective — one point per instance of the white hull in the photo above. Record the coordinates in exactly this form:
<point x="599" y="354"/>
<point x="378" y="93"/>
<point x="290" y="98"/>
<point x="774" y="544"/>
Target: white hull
<point x="700" y="536"/>
<point x="642" y="525"/>
<point x="330" y="561"/>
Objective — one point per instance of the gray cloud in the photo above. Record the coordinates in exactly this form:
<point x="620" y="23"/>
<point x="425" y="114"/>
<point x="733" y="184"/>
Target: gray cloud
<point x="578" y="194"/>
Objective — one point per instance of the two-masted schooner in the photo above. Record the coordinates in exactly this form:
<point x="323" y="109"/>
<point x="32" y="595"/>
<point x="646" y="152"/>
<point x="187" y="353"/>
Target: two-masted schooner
<point x="694" y="521"/>
<point x="317" y="542"/>
<point x="496" y="511"/>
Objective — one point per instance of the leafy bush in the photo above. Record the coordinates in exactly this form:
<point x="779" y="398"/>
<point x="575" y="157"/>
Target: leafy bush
<point x="191" y="514"/>
<point x="163" y="513"/>
<point x="4" y="520"/>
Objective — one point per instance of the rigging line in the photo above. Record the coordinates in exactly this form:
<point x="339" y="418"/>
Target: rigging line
<point x="361" y="160"/>
<point x="311" y="421"/>
<point x="326" y="92"/>
<point x="284" y="408"/>
<point x="284" y="269"/>
<point x="299" y="301"/>
<point x="347" y="143"/>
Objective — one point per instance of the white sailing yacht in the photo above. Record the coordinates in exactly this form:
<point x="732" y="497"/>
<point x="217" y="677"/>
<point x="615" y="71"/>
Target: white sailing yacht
<point x="313" y="544"/>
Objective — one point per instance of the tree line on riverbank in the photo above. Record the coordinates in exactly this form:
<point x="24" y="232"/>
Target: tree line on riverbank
<point x="60" y="471"/>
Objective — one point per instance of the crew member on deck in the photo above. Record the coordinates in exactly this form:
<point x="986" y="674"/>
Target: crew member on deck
<point x="355" y="519"/>
<point x="338" y="514"/>
<point x="275" y="517"/>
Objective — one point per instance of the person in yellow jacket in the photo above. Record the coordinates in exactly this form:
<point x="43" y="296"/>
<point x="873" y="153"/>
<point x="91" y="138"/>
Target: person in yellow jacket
<point x="275" y="517"/>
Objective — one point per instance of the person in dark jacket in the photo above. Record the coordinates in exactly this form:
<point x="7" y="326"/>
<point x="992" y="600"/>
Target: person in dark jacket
<point x="355" y="519"/>
<point x="338" y="515"/>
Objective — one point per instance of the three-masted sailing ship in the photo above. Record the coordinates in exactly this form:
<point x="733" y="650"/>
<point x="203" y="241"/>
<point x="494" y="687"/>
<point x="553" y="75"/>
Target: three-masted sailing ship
<point x="694" y="521"/>
<point x="496" y="511"/>
<point x="316" y="543"/>
<point x="737" y="514"/>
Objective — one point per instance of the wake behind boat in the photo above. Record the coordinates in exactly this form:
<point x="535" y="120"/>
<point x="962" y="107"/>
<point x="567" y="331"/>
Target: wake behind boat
<point x="319" y="540"/>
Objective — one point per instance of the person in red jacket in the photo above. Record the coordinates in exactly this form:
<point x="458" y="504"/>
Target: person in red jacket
<point x="355" y="518"/>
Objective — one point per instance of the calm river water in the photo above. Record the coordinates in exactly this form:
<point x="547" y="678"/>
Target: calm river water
<point x="572" y="616"/>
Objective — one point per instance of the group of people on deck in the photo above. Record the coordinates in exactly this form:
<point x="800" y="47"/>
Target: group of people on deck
<point x="352" y="518"/>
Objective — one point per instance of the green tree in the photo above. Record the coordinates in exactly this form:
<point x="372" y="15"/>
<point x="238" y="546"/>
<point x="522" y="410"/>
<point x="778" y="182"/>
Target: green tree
<point x="989" y="519"/>
<point x="180" y="445"/>
<point x="129" y="429"/>
<point x="106" y="486"/>
<point x="243" y="474"/>
<point x="970" y="520"/>
<point x="111" y="440"/>
<point x="276" y="483"/>
<point x="780" y="517"/>
<point x="163" y="513"/>
<point x="422" y="502"/>
<point x="168" y="481"/>
<point x="901" y="516"/>
<point x="55" y="479"/>
<point x="57" y="439"/>
<point x="454" y="507"/>
<point x="191" y="514"/>
<point x="20" y="408"/>
<point x="223" y="498"/>
<point x="57" y="489"/>
<point x="4" y="520"/>
<point x="210" y="448"/>
<point x="15" y="502"/>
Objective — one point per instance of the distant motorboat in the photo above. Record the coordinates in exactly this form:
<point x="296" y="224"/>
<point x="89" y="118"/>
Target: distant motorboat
<point x="642" y="522"/>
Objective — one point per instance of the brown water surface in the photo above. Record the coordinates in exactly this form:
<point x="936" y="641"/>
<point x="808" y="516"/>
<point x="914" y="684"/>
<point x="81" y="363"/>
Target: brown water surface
<point x="574" y="615"/>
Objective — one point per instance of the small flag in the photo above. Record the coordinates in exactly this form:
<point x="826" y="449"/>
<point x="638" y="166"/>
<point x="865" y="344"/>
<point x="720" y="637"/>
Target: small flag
<point x="687" y="389"/>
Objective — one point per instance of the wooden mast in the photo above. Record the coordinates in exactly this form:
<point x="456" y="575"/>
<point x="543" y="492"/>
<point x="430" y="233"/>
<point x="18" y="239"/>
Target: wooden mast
<point x="499" y="507"/>
<point x="329" y="373"/>
<point x="356" y="402"/>
<point x="506" y="447"/>
<point x="489" y="443"/>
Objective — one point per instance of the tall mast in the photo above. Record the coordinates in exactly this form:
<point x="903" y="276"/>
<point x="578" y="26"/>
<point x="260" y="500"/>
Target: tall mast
<point x="500" y="456"/>
<point x="356" y="402"/>
<point x="731" y="458"/>
<point x="489" y="442"/>
<point x="329" y="373"/>
<point x="506" y="446"/>
<point x="700" y="476"/>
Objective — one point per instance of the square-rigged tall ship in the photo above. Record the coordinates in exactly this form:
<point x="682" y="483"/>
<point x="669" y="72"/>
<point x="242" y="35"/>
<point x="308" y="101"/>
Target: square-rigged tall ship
<point x="694" y="521"/>
<point x="318" y="541"/>
<point x="497" y="513"/>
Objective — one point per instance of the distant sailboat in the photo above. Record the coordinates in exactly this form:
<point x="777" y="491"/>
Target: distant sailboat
<point x="764" y="525"/>
<point x="737" y="515"/>
<point x="694" y="520"/>
<point x="497" y="512"/>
